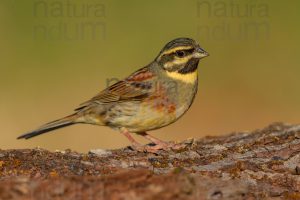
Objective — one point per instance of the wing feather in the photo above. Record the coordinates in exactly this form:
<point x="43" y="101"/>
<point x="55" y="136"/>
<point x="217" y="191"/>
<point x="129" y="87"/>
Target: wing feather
<point x="129" y="89"/>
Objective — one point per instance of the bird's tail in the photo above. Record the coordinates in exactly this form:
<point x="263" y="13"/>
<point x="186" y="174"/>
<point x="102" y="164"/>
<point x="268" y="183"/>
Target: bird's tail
<point x="60" y="123"/>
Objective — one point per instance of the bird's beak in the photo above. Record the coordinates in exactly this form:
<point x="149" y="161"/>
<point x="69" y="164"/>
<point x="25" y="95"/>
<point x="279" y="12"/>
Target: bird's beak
<point x="200" y="53"/>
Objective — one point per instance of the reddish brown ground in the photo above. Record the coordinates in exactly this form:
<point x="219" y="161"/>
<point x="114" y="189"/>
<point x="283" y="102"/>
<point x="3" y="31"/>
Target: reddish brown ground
<point x="264" y="164"/>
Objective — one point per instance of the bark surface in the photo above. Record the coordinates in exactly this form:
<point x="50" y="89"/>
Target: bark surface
<point x="263" y="164"/>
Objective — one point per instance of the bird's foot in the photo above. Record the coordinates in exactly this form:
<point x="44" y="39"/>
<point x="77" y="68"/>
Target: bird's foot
<point x="162" y="146"/>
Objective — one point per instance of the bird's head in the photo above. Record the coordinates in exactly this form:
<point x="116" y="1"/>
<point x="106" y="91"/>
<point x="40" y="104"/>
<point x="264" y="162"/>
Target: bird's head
<point x="180" y="57"/>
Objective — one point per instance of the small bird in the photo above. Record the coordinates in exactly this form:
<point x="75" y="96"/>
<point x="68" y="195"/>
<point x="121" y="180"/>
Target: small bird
<point x="150" y="98"/>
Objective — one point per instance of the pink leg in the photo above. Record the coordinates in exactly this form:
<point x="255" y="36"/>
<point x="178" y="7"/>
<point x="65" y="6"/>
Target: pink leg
<point x="159" y="144"/>
<point x="153" y="139"/>
<point x="126" y="133"/>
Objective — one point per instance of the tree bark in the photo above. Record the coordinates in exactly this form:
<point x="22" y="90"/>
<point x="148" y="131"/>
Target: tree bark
<point x="263" y="164"/>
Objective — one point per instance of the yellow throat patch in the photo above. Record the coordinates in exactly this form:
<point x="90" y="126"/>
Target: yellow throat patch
<point x="186" y="78"/>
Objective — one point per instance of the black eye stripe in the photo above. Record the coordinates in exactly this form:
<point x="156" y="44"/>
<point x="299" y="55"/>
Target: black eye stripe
<point x="171" y="56"/>
<point x="184" y="51"/>
<point x="190" y="51"/>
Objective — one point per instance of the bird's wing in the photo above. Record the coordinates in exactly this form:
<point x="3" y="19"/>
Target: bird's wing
<point x="134" y="88"/>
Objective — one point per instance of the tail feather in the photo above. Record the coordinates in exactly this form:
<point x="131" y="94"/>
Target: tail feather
<point x="60" y="123"/>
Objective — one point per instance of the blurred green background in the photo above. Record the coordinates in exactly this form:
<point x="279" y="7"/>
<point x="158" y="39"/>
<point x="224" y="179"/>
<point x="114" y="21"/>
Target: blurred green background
<point x="55" y="54"/>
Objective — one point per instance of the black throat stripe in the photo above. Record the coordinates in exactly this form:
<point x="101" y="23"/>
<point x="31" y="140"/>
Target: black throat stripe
<point x="190" y="66"/>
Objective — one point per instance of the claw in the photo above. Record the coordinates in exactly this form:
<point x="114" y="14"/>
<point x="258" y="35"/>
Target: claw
<point x="159" y="147"/>
<point x="158" y="144"/>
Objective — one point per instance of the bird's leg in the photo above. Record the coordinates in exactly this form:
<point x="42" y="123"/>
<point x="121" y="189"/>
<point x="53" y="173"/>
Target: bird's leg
<point x="126" y="133"/>
<point x="159" y="144"/>
<point x="153" y="139"/>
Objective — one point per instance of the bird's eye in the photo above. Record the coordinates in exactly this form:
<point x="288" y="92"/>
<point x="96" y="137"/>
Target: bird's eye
<point x="180" y="54"/>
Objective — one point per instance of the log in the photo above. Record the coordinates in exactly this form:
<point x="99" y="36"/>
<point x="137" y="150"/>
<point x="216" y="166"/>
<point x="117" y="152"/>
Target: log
<point x="262" y="164"/>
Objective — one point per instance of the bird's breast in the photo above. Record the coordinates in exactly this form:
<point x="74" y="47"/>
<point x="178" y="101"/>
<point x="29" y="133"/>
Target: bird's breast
<point x="167" y="101"/>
